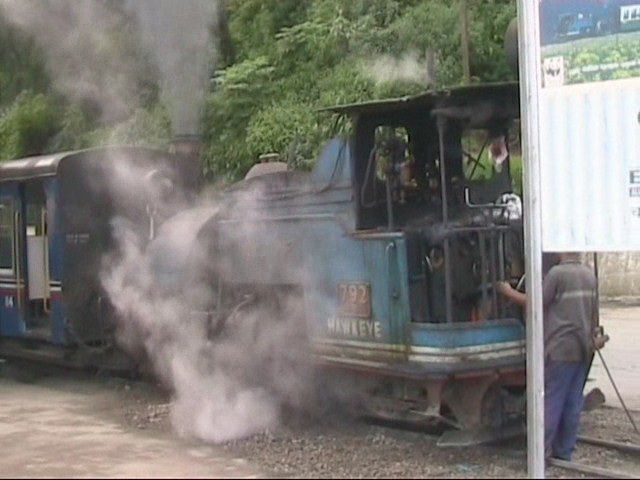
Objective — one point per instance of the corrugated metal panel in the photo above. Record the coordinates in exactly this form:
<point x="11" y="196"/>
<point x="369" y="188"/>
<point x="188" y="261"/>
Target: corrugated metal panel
<point x="590" y="145"/>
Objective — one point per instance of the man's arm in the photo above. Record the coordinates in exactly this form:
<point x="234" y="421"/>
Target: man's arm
<point x="549" y="286"/>
<point x="512" y="294"/>
<point x="599" y="337"/>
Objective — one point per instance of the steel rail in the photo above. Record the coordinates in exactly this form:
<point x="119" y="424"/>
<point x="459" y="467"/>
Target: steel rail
<point x="436" y="429"/>
<point x="622" y="446"/>
<point x="588" y="469"/>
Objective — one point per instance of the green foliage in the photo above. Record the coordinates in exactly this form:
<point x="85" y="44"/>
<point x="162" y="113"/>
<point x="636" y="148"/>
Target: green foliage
<point x="35" y="117"/>
<point x="280" y="62"/>
<point x="489" y="22"/>
<point x="74" y="123"/>
<point x="254" y="23"/>
<point x="21" y="65"/>
<point x="432" y="26"/>
<point x="27" y="125"/>
<point x="516" y="173"/>
<point x="289" y="127"/>
<point x="294" y="57"/>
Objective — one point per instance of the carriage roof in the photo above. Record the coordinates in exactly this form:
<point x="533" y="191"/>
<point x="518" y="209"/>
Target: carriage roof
<point x="49" y="165"/>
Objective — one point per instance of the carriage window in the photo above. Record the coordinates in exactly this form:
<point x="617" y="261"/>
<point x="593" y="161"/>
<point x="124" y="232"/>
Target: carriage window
<point x="6" y="235"/>
<point x="35" y="221"/>
<point x="483" y="156"/>
<point x="392" y="149"/>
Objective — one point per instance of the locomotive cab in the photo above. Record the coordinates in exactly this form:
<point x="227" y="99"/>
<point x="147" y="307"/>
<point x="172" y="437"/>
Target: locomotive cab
<point x="432" y="180"/>
<point x="438" y="169"/>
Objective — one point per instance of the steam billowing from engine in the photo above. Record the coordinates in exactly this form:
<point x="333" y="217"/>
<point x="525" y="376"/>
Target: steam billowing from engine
<point x="179" y="34"/>
<point x="180" y="37"/>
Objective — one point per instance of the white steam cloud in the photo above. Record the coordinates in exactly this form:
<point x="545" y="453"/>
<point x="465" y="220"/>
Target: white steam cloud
<point x="84" y="65"/>
<point x="410" y="67"/>
<point x="179" y="35"/>
<point x="226" y="384"/>
<point x="97" y="54"/>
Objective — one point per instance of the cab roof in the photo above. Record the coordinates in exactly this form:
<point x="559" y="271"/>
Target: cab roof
<point x="446" y="102"/>
<point x="48" y="165"/>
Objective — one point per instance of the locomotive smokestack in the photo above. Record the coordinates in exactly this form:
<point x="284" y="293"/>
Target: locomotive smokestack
<point x="187" y="149"/>
<point x="186" y="146"/>
<point x="511" y="44"/>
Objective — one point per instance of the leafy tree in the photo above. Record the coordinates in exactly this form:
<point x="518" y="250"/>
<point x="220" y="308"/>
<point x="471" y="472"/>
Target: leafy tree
<point x="35" y="117"/>
<point x="279" y="63"/>
<point x="146" y="127"/>
<point x="27" y="126"/>
<point x="22" y="64"/>
<point x="289" y="127"/>
<point x="295" y="57"/>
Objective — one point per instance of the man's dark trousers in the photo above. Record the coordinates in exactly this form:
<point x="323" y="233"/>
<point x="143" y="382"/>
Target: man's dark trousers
<point x="564" y="382"/>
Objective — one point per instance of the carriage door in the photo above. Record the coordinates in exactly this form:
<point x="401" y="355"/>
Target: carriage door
<point x="38" y="298"/>
<point x="11" y="279"/>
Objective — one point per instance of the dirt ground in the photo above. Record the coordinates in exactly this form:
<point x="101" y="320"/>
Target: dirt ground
<point x="53" y="424"/>
<point x="622" y="355"/>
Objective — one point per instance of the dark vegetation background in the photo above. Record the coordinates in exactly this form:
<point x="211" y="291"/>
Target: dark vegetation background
<point x="277" y="63"/>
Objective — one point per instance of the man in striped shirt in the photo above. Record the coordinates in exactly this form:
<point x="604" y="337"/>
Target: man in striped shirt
<point x="570" y="321"/>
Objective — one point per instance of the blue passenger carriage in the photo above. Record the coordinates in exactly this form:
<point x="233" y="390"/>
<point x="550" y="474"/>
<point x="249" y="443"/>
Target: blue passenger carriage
<point x="56" y="228"/>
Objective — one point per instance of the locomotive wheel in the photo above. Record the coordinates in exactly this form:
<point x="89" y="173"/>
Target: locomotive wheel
<point x="492" y="408"/>
<point x="493" y="420"/>
<point x="465" y="399"/>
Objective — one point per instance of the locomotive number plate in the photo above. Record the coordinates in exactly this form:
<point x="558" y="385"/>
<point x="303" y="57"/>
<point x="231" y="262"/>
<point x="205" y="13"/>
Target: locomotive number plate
<point x="355" y="299"/>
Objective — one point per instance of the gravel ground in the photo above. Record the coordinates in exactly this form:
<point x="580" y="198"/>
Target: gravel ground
<point x="341" y="447"/>
<point x="611" y="424"/>
<point x="66" y="426"/>
<point x="361" y="451"/>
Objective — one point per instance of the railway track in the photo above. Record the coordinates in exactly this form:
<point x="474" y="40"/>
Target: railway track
<point x="626" y="448"/>
<point x="631" y="449"/>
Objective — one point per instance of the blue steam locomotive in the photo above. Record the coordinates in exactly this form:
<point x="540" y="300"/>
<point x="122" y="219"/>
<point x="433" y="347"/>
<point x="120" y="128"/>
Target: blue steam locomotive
<point x="390" y="247"/>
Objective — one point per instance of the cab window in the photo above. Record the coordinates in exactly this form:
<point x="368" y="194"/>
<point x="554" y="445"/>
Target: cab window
<point x="483" y="156"/>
